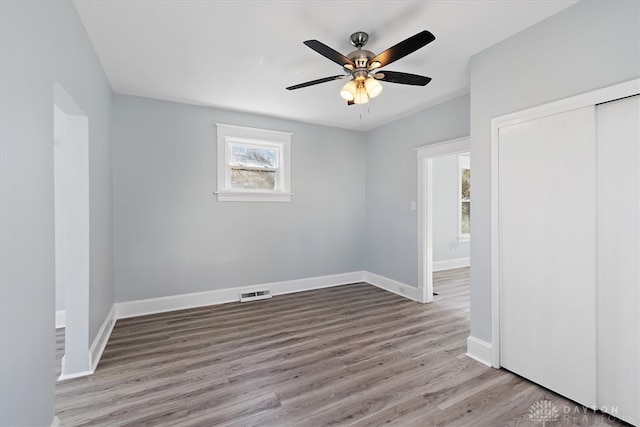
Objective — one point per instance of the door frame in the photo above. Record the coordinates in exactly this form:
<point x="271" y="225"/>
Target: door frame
<point x="426" y="154"/>
<point x="621" y="90"/>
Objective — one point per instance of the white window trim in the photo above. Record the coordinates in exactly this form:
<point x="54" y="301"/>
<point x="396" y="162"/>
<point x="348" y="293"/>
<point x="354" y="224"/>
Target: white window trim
<point x="464" y="162"/>
<point x="229" y="135"/>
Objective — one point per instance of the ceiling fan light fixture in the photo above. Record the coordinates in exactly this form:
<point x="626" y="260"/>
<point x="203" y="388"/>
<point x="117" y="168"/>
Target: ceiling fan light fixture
<point x="348" y="91"/>
<point x="361" y="95"/>
<point x="362" y="66"/>
<point x="373" y="87"/>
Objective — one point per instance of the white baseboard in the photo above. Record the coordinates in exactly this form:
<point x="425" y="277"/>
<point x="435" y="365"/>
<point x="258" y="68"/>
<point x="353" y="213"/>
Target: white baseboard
<point x="65" y="376"/>
<point x="97" y="347"/>
<point x="100" y="342"/>
<point x="450" y="264"/>
<point x="222" y="296"/>
<point x="55" y="422"/>
<point x="124" y="310"/>
<point x="61" y="316"/>
<point x="391" y="285"/>
<point x="479" y="350"/>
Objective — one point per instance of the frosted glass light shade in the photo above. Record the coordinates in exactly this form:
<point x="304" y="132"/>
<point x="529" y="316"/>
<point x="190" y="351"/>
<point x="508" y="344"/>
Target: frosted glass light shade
<point x="348" y="91"/>
<point x="373" y="87"/>
<point x="361" y="95"/>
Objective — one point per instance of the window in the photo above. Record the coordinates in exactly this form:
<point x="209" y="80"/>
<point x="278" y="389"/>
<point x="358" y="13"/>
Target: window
<point x="253" y="164"/>
<point x="464" y="196"/>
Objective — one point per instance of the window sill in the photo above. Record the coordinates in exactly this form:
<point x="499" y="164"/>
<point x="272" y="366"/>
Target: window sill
<point x="247" y="196"/>
<point x="464" y="239"/>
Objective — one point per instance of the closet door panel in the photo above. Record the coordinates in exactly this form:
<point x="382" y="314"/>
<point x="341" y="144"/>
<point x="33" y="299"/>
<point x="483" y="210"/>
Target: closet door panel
<point x="547" y="260"/>
<point x="618" y="131"/>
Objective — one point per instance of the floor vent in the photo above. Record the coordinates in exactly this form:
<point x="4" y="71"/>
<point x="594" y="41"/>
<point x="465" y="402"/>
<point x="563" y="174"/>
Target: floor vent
<point x="255" y="295"/>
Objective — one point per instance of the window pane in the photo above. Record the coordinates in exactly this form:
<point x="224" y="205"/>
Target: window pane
<point x="465" y="223"/>
<point x="466" y="184"/>
<point x="256" y="179"/>
<point x="253" y="157"/>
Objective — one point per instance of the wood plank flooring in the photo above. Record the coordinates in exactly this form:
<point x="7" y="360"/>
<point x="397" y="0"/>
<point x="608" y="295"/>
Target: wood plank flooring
<point x="352" y="355"/>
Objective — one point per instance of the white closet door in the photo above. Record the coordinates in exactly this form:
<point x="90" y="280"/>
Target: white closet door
<point x="618" y="258"/>
<point x="547" y="260"/>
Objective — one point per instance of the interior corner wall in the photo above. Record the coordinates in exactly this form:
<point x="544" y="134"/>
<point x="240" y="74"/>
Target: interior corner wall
<point x="446" y="199"/>
<point x="391" y="248"/>
<point x="590" y="45"/>
<point x="172" y="236"/>
<point x="42" y="42"/>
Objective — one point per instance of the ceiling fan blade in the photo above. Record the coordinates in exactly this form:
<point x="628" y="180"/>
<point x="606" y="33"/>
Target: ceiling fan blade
<point x="329" y="53"/>
<point x="315" y="82"/>
<point x="402" y="78"/>
<point x="403" y="49"/>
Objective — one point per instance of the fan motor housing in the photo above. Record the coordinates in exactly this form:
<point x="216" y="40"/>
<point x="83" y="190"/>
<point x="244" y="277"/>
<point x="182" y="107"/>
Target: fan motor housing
<point x="361" y="57"/>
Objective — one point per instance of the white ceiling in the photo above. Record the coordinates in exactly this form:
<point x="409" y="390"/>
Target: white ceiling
<point x="240" y="55"/>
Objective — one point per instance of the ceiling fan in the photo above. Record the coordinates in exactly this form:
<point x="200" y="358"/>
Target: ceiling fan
<point x="362" y="66"/>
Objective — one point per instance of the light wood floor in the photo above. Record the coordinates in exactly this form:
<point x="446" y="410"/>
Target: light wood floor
<point x="351" y="355"/>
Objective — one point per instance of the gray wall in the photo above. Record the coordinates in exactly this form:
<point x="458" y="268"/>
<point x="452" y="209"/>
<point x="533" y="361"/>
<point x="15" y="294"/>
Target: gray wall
<point x="391" y="248"/>
<point x="590" y="45"/>
<point x="445" y="210"/>
<point x="171" y="234"/>
<point x="43" y="42"/>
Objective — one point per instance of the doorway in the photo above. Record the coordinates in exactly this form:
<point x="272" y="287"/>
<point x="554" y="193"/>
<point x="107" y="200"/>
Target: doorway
<point x="426" y="157"/>
<point x="71" y="213"/>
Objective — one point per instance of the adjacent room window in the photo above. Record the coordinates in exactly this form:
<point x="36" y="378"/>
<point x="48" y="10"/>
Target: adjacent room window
<point x="464" y="195"/>
<point x="253" y="164"/>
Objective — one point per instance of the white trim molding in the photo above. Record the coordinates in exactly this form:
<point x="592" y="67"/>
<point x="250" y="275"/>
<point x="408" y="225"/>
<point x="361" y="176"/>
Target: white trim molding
<point x="61" y="316"/>
<point x="144" y="307"/>
<point x="230" y="136"/>
<point x="444" y="148"/>
<point x="97" y="347"/>
<point x="222" y="296"/>
<point x="65" y="376"/>
<point x="399" y="288"/>
<point x="479" y="350"/>
<point x="426" y="155"/>
<point x="450" y="264"/>
<point x="100" y="342"/>
<point x="598" y="96"/>
<point x="248" y="196"/>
